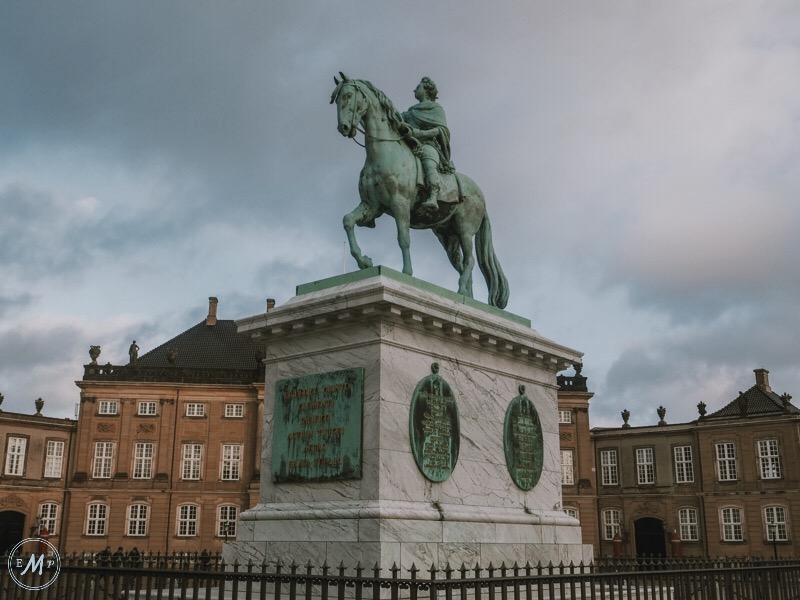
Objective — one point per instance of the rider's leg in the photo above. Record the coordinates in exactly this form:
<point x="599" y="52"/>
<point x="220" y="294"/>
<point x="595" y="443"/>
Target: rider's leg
<point x="430" y="169"/>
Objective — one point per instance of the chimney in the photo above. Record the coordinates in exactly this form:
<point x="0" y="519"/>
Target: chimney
<point x="211" y="319"/>
<point x="270" y="304"/>
<point x="762" y="379"/>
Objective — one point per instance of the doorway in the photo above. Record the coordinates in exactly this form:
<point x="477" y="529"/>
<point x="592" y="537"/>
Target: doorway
<point x="650" y="538"/>
<point x="12" y="528"/>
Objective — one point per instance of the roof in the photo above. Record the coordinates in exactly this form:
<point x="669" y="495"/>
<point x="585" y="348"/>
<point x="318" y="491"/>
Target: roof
<point x="204" y="346"/>
<point x="755" y="401"/>
<point x="203" y="354"/>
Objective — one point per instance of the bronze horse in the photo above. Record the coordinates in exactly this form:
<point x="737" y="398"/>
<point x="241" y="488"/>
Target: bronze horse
<point x="389" y="184"/>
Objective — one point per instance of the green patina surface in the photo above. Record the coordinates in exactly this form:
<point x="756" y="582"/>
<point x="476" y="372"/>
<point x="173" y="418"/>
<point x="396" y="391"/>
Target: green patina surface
<point x="522" y="442"/>
<point x="317" y="427"/>
<point x="434" y="427"/>
<point x="380" y="270"/>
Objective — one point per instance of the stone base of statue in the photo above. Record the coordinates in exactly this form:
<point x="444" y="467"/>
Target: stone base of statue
<point x="406" y="424"/>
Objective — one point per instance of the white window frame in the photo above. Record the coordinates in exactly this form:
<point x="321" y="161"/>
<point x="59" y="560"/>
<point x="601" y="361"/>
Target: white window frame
<point x="567" y="467"/>
<point x="103" y="464"/>
<point x="725" y="458"/>
<point x="565" y="416"/>
<point x="609" y="467"/>
<point x="689" y="525"/>
<point x="732" y="525"/>
<point x="147" y="408"/>
<point x="645" y="466"/>
<point x="108" y="407"/>
<point x="234" y="411"/>
<point x="226" y="516"/>
<point x="192" y="462"/>
<point x="769" y="459"/>
<point x="54" y="459"/>
<point x="684" y="464"/>
<point x="231" y="464"/>
<point x="96" y="519"/>
<point x="571" y="511"/>
<point x="775" y="524"/>
<point x="143" y="455"/>
<point x="195" y="409"/>
<point x="16" y="447"/>
<point x="138" y="520"/>
<point x="612" y="519"/>
<point x="48" y="517"/>
<point x="186" y="524"/>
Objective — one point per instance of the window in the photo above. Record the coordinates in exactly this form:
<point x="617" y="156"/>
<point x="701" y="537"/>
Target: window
<point x="137" y="519"/>
<point x="15" y="456"/>
<point x="103" y="460"/>
<point x="611" y="520"/>
<point x="195" y="409"/>
<point x="54" y="457"/>
<point x="187" y="520"/>
<point x="572" y="512"/>
<point x="565" y="416"/>
<point x="143" y="460"/>
<point x="769" y="460"/>
<point x="567" y="474"/>
<point x="231" y="461"/>
<point x="687" y="519"/>
<point x="726" y="461"/>
<point x="226" y="520"/>
<point x="97" y="515"/>
<point x="732" y="525"/>
<point x="107" y="407"/>
<point x="146" y="408"/>
<point x="608" y="467"/>
<point x="234" y="410"/>
<point x="775" y="524"/>
<point x="192" y="457"/>
<point x="48" y="517"/>
<point x="684" y="469"/>
<point x="645" y="470"/>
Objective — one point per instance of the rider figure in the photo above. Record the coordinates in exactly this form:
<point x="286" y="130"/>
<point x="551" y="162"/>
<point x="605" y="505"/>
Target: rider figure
<point x="429" y="126"/>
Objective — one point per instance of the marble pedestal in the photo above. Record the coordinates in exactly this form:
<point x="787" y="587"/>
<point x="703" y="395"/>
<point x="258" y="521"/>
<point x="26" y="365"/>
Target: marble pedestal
<point x="394" y="327"/>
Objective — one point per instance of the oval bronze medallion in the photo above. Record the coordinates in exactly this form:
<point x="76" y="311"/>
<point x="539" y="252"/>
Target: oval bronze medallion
<point x="522" y="442"/>
<point x="434" y="427"/>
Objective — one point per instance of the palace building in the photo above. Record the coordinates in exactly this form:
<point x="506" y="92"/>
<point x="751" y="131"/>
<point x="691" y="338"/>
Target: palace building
<point x="168" y="447"/>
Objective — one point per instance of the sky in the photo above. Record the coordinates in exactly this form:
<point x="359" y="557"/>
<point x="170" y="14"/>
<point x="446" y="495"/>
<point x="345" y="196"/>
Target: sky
<point x="640" y="161"/>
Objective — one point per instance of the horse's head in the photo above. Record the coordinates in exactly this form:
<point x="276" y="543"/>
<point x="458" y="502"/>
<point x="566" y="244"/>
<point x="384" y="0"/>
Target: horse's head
<point x="351" y="104"/>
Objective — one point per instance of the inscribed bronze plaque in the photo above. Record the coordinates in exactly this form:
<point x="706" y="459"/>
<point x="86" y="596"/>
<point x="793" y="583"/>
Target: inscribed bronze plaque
<point x="434" y="427"/>
<point x="522" y="441"/>
<point x="317" y="427"/>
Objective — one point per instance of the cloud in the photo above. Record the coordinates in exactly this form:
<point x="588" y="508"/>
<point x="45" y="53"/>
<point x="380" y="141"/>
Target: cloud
<point x="640" y="164"/>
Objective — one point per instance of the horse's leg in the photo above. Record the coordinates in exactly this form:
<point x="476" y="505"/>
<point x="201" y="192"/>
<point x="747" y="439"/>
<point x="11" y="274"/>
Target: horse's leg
<point x="401" y="211"/>
<point x="467" y="262"/>
<point x="451" y="246"/>
<point x="359" y="214"/>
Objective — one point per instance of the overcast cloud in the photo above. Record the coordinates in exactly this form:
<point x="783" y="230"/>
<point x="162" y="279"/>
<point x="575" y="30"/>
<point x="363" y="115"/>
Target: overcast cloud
<point x="641" y="163"/>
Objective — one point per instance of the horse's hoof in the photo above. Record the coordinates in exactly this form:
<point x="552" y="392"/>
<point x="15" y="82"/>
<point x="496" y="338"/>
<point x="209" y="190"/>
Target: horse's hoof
<point x="366" y="262"/>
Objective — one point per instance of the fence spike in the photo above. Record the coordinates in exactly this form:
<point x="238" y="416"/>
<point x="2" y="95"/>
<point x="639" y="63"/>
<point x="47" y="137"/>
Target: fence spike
<point x="413" y="570"/>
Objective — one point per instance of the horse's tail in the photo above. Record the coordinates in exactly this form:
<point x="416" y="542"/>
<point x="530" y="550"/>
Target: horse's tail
<point x="490" y="267"/>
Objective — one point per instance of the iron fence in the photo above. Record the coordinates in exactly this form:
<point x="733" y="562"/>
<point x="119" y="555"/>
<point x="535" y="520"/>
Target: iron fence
<point x="196" y="577"/>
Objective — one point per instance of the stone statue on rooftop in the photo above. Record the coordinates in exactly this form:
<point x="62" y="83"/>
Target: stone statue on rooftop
<point x="133" y="353"/>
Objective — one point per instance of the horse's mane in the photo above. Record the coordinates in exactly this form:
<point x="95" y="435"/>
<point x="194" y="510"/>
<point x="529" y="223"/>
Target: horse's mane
<point x="395" y="119"/>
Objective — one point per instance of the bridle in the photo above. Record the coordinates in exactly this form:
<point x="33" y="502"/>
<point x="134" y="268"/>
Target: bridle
<point x="353" y="123"/>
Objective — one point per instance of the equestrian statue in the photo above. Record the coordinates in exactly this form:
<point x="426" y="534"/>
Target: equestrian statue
<point x="409" y="175"/>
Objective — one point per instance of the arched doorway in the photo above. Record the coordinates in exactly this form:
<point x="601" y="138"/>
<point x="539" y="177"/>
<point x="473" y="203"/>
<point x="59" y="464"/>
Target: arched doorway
<point x="650" y="538"/>
<point x="12" y="525"/>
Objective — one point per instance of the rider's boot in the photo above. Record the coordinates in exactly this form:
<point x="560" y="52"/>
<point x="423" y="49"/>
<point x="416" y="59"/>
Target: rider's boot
<point x="431" y="171"/>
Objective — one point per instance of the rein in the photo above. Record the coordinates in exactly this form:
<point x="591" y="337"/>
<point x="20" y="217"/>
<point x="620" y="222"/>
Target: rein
<point x="355" y="126"/>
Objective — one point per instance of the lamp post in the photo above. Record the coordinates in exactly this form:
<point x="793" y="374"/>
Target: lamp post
<point x="773" y="533"/>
